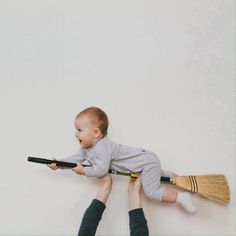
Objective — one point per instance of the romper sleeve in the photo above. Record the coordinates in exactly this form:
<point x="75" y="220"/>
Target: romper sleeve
<point x="100" y="158"/>
<point x="76" y="157"/>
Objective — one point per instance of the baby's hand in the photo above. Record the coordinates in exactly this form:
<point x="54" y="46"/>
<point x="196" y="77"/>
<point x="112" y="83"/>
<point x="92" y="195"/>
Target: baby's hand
<point x="79" y="169"/>
<point x="53" y="166"/>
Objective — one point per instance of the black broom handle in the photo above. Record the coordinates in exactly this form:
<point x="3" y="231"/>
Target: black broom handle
<point x="72" y="165"/>
<point x="47" y="161"/>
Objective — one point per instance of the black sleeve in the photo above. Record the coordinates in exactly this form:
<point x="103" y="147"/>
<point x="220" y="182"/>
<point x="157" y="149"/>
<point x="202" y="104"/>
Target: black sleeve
<point x="137" y="223"/>
<point x="91" y="218"/>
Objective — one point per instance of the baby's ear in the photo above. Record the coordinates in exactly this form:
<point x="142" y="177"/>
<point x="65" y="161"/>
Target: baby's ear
<point x="97" y="132"/>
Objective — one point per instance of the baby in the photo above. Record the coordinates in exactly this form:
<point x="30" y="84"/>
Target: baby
<point x="103" y="154"/>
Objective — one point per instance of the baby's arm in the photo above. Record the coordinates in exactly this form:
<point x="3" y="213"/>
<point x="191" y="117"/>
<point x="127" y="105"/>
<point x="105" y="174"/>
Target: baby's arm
<point x="100" y="163"/>
<point x="79" y="169"/>
<point x="75" y="158"/>
<point x="99" y="168"/>
<point x="100" y="159"/>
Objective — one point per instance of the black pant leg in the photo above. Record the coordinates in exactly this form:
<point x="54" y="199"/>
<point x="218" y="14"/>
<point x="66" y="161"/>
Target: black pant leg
<point x="138" y="223"/>
<point x="91" y="218"/>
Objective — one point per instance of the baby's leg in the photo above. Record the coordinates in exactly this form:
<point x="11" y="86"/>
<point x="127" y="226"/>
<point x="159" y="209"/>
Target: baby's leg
<point x="170" y="195"/>
<point x="151" y="186"/>
<point x="151" y="182"/>
<point x="183" y="198"/>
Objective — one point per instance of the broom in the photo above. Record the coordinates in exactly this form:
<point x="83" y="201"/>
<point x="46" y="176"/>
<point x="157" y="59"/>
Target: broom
<point x="211" y="186"/>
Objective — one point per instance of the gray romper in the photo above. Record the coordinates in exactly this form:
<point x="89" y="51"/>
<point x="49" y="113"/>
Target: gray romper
<point x="106" y="154"/>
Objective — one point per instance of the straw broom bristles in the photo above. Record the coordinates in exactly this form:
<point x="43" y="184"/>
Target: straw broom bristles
<point x="211" y="186"/>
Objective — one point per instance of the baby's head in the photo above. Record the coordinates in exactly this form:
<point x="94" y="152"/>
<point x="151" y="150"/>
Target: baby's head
<point x="91" y="125"/>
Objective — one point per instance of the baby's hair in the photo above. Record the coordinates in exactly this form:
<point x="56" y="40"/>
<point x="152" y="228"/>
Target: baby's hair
<point x="98" y="117"/>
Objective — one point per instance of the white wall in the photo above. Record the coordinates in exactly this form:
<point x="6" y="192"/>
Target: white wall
<point x="164" y="73"/>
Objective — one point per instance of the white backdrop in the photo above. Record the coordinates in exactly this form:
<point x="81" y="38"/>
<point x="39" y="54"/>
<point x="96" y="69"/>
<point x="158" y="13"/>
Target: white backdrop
<point x="164" y="73"/>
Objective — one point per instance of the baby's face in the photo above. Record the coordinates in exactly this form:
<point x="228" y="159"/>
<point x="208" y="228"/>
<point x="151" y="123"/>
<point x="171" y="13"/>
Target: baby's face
<point x="85" y="132"/>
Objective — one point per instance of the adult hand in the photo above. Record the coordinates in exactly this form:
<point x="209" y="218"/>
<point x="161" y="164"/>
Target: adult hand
<point x="105" y="188"/>
<point x="134" y="189"/>
<point x="135" y="185"/>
